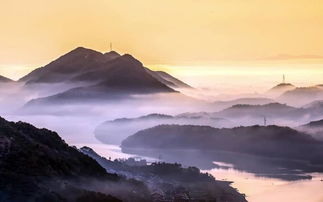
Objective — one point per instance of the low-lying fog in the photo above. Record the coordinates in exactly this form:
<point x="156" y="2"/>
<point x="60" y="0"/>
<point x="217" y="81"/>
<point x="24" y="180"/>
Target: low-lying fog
<point x="76" y="124"/>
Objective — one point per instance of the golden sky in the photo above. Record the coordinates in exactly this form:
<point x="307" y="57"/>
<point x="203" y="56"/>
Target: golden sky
<point x="176" y="32"/>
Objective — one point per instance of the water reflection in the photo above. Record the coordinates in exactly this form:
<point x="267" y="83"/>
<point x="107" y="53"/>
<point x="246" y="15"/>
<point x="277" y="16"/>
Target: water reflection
<point x="262" y="189"/>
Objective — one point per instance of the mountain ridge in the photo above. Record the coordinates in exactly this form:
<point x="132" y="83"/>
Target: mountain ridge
<point x="37" y="165"/>
<point x="101" y="76"/>
<point x="5" y="79"/>
<point x="268" y="141"/>
<point x="83" y="64"/>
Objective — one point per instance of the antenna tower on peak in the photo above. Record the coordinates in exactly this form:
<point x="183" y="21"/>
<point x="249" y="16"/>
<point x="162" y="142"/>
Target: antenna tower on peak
<point x="265" y="121"/>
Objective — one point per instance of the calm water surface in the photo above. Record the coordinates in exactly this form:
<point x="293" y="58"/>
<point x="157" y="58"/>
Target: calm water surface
<point x="257" y="189"/>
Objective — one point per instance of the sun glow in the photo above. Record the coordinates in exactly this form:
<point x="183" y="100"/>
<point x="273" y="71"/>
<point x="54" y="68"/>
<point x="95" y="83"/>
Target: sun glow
<point x="248" y="77"/>
<point x="161" y="32"/>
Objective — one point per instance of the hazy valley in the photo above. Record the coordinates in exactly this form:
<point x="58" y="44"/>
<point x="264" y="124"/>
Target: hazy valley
<point x="108" y="100"/>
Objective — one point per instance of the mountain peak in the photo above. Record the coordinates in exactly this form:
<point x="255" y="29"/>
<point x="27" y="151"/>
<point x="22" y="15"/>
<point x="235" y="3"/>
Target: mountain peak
<point x="82" y="51"/>
<point x="280" y="89"/>
<point x="80" y="48"/>
<point x="111" y="55"/>
<point x="284" y="85"/>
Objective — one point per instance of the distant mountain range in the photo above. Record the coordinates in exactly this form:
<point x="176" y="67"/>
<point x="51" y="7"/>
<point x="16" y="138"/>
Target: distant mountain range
<point x="275" y="113"/>
<point x="248" y="114"/>
<point x="266" y="110"/>
<point x="242" y="101"/>
<point x="113" y="132"/>
<point x="302" y="95"/>
<point x="285" y="93"/>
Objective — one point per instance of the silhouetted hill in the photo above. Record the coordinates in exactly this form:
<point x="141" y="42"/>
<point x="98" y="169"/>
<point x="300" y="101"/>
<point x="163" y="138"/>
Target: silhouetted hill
<point x="301" y="96"/>
<point x="259" y="111"/>
<point x="146" y="117"/>
<point x="100" y="76"/>
<point x="243" y="101"/>
<point x="92" y="67"/>
<point x="113" y="132"/>
<point x="37" y="165"/>
<point x="5" y="79"/>
<point x="275" y="113"/>
<point x="270" y="141"/>
<point x="283" y="86"/>
<point x="280" y="89"/>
